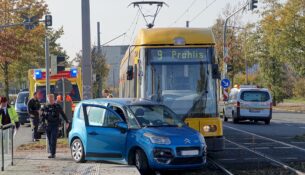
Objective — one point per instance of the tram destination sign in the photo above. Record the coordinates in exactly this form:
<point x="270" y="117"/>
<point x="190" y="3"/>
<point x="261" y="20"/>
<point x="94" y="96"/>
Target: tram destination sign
<point x="178" y="54"/>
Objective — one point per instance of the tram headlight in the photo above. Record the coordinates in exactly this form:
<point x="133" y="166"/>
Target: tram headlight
<point x="209" y="128"/>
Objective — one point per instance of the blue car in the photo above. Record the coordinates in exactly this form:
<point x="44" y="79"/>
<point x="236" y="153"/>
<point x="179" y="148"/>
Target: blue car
<point x="135" y="132"/>
<point x="21" y="107"/>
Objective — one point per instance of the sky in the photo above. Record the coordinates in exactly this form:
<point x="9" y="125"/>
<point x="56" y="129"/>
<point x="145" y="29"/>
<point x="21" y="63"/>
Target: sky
<point x="117" y="18"/>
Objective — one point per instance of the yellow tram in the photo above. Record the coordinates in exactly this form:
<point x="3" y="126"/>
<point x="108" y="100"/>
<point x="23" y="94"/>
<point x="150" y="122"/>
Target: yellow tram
<point x="176" y="67"/>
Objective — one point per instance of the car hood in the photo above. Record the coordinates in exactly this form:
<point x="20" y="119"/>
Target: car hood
<point x="177" y="135"/>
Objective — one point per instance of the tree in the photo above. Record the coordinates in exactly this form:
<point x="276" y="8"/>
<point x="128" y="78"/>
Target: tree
<point x="16" y="41"/>
<point x="99" y="68"/>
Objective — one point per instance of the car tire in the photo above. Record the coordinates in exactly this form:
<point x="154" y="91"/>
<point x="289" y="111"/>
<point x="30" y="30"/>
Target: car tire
<point x="77" y="151"/>
<point x="267" y="122"/>
<point x="141" y="162"/>
<point x="225" y="118"/>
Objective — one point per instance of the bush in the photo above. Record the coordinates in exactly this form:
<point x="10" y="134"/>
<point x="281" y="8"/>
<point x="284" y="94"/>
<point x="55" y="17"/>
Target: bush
<point x="299" y="88"/>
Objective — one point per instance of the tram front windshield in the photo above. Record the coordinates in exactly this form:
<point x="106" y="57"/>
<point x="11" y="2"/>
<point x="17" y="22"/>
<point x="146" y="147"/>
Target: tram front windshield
<point x="181" y="78"/>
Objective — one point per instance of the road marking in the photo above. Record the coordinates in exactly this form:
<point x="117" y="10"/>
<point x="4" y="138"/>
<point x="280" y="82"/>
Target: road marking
<point x="283" y="143"/>
<point x="294" y="158"/>
<point x="226" y="159"/>
<point x="298" y="142"/>
<point x="261" y="148"/>
<point x="282" y="147"/>
<point x="302" y="127"/>
<point x="231" y="148"/>
<point x="251" y="158"/>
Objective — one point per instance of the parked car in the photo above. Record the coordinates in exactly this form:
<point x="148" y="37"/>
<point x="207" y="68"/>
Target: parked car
<point x="21" y="107"/>
<point x="249" y="103"/>
<point x="136" y="132"/>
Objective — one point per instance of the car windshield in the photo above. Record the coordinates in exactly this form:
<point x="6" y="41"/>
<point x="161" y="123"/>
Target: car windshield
<point x="155" y="116"/>
<point x="22" y="97"/>
<point x="255" y="96"/>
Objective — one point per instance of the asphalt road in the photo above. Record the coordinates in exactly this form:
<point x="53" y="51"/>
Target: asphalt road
<point x="282" y="125"/>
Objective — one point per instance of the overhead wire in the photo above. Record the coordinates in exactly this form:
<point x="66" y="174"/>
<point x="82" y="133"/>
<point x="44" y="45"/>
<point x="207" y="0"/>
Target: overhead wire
<point x="130" y="26"/>
<point x="187" y="9"/>
<point x="134" y="29"/>
<point x="203" y="10"/>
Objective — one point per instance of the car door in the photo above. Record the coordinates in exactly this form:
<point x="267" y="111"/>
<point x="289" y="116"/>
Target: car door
<point x="104" y="140"/>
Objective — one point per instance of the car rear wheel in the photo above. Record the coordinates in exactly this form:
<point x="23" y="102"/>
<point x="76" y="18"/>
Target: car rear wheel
<point x="267" y="122"/>
<point x="77" y="151"/>
<point x="225" y="118"/>
<point x="141" y="162"/>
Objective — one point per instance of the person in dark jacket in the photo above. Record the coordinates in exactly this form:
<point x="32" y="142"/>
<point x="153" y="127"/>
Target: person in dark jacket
<point x="51" y="116"/>
<point x="33" y="111"/>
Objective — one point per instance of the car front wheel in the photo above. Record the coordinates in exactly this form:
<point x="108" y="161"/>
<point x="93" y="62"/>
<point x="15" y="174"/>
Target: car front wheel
<point x="141" y="162"/>
<point x="77" y="151"/>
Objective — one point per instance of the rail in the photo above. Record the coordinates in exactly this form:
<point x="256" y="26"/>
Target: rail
<point x="7" y="134"/>
<point x="219" y="166"/>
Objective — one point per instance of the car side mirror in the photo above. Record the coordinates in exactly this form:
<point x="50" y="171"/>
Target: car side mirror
<point x="129" y="72"/>
<point x="122" y="126"/>
<point x="215" y="71"/>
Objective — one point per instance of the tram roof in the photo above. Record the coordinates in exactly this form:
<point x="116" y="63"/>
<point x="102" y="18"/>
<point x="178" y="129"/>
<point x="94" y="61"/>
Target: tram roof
<point x="167" y="36"/>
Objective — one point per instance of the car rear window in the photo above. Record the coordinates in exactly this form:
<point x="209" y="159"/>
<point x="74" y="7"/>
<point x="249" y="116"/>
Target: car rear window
<point x="22" y="97"/>
<point x="255" y="96"/>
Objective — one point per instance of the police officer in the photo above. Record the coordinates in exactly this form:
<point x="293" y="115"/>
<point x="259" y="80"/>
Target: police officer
<point x="50" y="115"/>
<point x="33" y="111"/>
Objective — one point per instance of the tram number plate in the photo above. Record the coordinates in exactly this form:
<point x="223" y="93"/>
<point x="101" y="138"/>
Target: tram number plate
<point x="254" y="110"/>
<point x="189" y="153"/>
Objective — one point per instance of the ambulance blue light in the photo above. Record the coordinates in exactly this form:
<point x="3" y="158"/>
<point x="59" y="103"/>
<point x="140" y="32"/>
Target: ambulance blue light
<point x="73" y="72"/>
<point x="38" y="74"/>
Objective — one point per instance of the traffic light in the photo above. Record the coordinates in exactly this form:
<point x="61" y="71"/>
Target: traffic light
<point x="58" y="64"/>
<point x="253" y="4"/>
<point x="61" y="63"/>
<point x="229" y="67"/>
<point x="30" y="23"/>
<point x="48" y="20"/>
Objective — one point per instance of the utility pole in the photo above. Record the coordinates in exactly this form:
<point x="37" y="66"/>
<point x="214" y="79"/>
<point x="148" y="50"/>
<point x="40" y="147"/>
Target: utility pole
<point x="187" y="24"/>
<point x="47" y="62"/>
<point x="86" y="45"/>
<point x="100" y="82"/>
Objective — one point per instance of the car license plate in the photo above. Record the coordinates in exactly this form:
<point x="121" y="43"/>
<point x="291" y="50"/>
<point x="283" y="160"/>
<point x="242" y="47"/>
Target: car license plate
<point x="189" y="153"/>
<point x="254" y="110"/>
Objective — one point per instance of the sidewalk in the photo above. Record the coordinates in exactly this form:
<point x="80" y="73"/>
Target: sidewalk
<point x="36" y="162"/>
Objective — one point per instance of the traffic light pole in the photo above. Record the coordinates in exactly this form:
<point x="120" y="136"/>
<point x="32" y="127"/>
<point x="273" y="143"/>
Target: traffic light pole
<point x="225" y="48"/>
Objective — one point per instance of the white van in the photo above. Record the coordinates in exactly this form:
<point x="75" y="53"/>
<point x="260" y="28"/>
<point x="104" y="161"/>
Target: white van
<point x="248" y="103"/>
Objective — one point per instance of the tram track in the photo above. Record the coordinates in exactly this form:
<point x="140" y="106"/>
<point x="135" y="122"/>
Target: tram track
<point x="219" y="166"/>
<point x="246" y="148"/>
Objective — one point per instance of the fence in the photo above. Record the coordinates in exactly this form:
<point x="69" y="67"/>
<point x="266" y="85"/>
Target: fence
<point x="7" y="145"/>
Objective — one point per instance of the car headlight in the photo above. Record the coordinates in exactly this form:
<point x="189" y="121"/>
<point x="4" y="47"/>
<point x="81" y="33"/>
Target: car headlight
<point x="157" y="139"/>
<point x="202" y="139"/>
